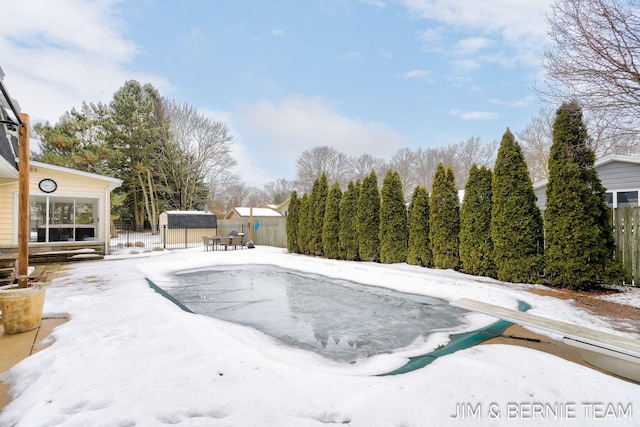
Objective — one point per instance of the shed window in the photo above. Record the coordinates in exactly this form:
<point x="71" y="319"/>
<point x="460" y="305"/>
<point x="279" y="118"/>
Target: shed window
<point x="62" y="219"/>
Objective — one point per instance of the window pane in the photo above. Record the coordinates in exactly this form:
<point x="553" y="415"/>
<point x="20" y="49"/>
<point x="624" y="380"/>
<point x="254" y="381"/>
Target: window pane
<point x="37" y="218"/>
<point x="608" y="199"/>
<point x="627" y="199"/>
<point x="85" y="219"/>
<point x="70" y="219"/>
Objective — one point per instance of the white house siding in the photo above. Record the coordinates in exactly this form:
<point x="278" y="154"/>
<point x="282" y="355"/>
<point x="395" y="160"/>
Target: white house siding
<point x="620" y="175"/>
<point x="70" y="183"/>
<point x="617" y="173"/>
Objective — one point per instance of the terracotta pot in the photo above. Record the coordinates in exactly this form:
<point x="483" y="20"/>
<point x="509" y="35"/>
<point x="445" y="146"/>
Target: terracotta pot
<point x="21" y="307"/>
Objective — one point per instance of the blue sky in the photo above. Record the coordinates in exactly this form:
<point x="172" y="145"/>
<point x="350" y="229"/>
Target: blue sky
<point x="362" y="76"/>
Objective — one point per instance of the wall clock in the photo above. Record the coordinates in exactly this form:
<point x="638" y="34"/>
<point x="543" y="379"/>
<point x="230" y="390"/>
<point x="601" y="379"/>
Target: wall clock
<point x="48" y="185"/>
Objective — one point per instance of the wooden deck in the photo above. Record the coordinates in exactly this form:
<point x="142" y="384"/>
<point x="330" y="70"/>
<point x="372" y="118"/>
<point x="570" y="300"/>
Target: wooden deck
<point x="617" y="354"/>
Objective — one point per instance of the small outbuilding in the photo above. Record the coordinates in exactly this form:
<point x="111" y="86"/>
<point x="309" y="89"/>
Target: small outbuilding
<point x="183" y="227"/>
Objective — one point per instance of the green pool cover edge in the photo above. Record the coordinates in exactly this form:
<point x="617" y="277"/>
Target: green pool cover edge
<point x="168" y="296"/>
<point x="457" y="342"/>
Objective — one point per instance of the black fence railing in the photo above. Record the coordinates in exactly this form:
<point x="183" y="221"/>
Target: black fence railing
<point x="125" y="238"/>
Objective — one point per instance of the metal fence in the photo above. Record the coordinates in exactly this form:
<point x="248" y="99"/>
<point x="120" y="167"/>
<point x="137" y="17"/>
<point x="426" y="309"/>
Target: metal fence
<point x="625" y="224"/>
<point x="125" y="239"/>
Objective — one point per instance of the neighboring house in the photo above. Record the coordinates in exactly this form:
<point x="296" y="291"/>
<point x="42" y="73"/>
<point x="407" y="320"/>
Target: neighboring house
<point x="246" y="213"/>
<point x="620" y="175"/>
<point x="69" y="209"/>
<point x="283" y="207"/>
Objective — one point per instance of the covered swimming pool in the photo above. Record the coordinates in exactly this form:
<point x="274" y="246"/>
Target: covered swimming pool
<point x="336" y="318"/>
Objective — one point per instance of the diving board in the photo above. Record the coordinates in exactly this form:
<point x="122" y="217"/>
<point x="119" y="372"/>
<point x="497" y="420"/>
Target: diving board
<point x="617" y="354"/>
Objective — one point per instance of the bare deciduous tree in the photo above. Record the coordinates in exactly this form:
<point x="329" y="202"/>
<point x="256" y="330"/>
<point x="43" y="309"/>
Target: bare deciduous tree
<point x="198" y="157"/>
<point x="605" y="137"/>
<point x="596" y="58"/>
<point x="278" y="191"/>
<point x="404" y="163"/>
<point x="362" y="166"/>
<point x="535" y="140"/>
<point x="312" y="163"/>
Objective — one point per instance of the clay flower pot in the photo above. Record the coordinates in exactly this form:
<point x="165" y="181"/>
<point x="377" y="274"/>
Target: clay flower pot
<point x="21" y="307"/>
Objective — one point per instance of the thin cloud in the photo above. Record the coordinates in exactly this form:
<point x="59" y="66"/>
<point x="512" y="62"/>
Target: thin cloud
<point x="524" y="102"/>
<point x="475" y="115"/>
<point x="416" y="74"/>
<point x="297" y="123"/>
<point x="518" y="26"/>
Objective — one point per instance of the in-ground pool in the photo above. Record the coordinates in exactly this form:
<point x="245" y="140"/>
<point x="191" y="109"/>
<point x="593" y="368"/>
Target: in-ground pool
<point x="336" y="318"/>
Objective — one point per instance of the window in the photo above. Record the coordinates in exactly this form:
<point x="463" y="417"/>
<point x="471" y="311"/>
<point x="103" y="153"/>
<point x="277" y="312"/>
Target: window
<point x="62" y="219"/>
<point x="627" y="199"/>
<point x="608" y="199"/>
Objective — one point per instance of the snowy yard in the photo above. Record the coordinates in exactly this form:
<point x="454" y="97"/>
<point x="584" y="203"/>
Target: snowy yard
<point x="129" y="357"/>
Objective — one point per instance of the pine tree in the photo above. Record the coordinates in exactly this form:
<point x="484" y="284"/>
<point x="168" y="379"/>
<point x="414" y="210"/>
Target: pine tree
<point x="369" y="219"/>
<point x="476" y="246"/>
<point x="331" y="226"/>
<point x="349" y="222"/>
<point x="516" y="222"/>
<point x="444" y="219"/>
<point x="393" y="220"/>
<point x="304" y="224"/>
<point x="293" y="218"/>
<point x="578" y="232"/>
<point x="419" y="250"/>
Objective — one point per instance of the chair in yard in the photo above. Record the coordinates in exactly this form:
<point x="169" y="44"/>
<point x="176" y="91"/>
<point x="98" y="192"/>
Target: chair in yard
<point x="236" y="241"/>
<point x="207" y="243"/>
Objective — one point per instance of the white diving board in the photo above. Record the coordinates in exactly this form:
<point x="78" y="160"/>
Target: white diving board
<point x="617" y="354"/>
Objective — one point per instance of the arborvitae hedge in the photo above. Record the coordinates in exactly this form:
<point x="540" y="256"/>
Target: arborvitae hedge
<point x="293" y="217"/>
<point x="516" y="222"/>
<point x="369" y="219"/>
<point x="578" y="232"/>
<point x="304" y="224"/>
<point x="476" y="246"/>
<point x="444" y="219"/>
<point x="393" y="220"/>
<point x="349" y="222"/>
<point x="419" y="250"/>
<point x="320" y="204"/>
<point x="331" y="226"/>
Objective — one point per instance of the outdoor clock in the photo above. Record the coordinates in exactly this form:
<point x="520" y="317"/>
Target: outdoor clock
<point x="48" y="185"/>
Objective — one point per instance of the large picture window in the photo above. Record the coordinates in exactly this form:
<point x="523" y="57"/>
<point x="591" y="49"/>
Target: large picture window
<point x="63" y="219"/>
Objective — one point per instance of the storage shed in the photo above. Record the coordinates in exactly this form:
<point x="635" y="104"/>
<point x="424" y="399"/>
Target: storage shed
<point x="181" y="227"/>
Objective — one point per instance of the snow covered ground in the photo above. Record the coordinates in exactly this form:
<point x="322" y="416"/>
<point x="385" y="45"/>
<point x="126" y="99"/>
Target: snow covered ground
<point x="129" y="357"/>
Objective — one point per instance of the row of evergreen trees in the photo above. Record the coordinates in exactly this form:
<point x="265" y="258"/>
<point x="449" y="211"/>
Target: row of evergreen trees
<point x="496" y="232"/>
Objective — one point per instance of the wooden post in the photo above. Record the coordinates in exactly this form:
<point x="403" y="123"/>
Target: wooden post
<point x="251" y="223"/>
<point x="23" y="202"/>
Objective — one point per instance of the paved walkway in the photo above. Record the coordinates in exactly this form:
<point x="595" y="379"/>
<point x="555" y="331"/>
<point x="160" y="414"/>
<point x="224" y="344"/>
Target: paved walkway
<point x="15" y="347"/>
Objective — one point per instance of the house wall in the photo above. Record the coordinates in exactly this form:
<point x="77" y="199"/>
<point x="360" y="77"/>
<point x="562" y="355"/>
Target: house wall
<point x="69" y="184"/>
<point x="615" y="175"/>
<point x="620" y="175"/>
<point x="7" y="189"/>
